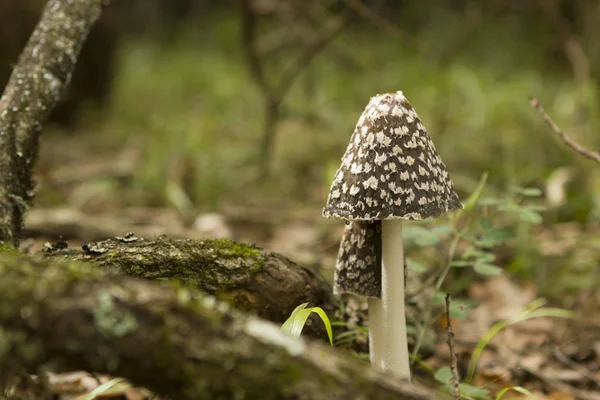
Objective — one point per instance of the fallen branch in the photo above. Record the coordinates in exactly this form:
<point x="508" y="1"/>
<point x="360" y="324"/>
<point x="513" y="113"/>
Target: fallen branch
<point x="173" y="340"/>
<point x="245" y="276"/>
<point x="592" y="155"/>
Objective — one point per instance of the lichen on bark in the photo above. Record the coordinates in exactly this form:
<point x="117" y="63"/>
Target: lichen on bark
<point x="244" y="275"/>
<point x="184" y="344"/>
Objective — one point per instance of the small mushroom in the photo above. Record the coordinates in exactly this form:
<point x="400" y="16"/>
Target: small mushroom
<point x="389" y="173"/>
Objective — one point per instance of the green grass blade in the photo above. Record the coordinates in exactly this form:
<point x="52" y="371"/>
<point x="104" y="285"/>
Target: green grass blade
<point x="287" y="325"/>
<point x="474" y="197"/>
<point x="319" y="311"/>
<point x="104" y="389"/>
<point x="519" y="389"/>
<point x="531" y="311"/>
<point x="294" y="324"/>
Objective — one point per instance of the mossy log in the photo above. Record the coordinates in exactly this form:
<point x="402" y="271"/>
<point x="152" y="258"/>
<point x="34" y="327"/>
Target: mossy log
<point x="63" y="315"/>
<point x="244" y="275"/>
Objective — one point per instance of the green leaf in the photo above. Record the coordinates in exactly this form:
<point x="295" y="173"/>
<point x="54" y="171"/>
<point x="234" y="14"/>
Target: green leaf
<point x="487" y="269"/>
<point x="295" y="323"/>
<point x="494" y="237"/>
<point x="530" y="191"/>
<point x="438" y="298"/>
<point x="470" y="237"/>
<point x="490" y="201"/>
<point x="441" y="230"/>
<point x="510" y="206"/>
<point x="485" y="257"/>
<point x="460" y="309"/>
<point x="178" y="197"/>
<point x="428" y="239"/>
<point x="473" y="199"/>
<point x="443" y="375"/>
<point x="462" y="263"/>
<point x="485" y="223"/>
<point x="519" y="389"/>
<point x="474" y="391"/>
<point x="412" y="232"/>
<point x="536" y="207"/>
<point x="531" y="217"/>
<point x="319" y="311"/>
<point x="415" y="266"/>
<point x="471" y="251"/>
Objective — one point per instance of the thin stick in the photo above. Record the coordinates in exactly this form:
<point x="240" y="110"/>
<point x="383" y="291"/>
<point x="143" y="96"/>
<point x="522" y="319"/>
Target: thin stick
<point x="592" y="155"/>
<point x="453" y="359"/>
<point x="380" y="22"/>
<point x="275" y="92"/>
<point x="438" y="285"/>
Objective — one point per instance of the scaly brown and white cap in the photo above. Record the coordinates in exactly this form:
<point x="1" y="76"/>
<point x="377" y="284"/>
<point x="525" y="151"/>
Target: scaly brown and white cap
<point x="358" y="266"/>
<point x="391" y="168"/>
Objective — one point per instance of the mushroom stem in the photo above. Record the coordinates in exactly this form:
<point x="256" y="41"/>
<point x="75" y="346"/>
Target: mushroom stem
<point x="387" y="322"/>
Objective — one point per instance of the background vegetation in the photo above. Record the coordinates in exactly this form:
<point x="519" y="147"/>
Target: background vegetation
<point x="181" y="102"/>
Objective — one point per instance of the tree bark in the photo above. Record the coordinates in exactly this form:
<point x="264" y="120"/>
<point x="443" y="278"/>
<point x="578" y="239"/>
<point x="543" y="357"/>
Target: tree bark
<point x="242" y="274"/>
<point x="173" y="340"/>
<point x="35" y="86"/>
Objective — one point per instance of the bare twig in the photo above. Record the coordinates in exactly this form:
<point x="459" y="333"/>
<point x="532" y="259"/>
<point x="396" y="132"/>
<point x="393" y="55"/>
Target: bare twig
<point x="471" y="27"/>
<point x="275" y="92"/>
<point x="249" y="45"/>
<point x="438" y="284"/>
<point x="553" y="383"/>
<point x="311" y="50"/>
<point x="380" y="22"/>
<point x="453" y="358"/>
<point x="310" y="17"/>
<point x="592" y="155"/>
<point x="572" y="46"/>
<point x="576" y="367"/>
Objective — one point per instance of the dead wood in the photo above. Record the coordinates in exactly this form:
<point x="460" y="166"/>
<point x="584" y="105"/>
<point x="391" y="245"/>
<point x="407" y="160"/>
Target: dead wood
<point x="176" y="341"/>
<point x="246" y="276"/>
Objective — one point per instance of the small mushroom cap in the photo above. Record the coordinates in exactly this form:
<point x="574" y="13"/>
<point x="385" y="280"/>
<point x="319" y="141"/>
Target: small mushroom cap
<point x="391" y="168"/>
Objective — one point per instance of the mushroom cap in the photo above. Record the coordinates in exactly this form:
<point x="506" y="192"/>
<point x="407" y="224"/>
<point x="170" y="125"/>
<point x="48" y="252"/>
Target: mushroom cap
<point x="390" y="169"/>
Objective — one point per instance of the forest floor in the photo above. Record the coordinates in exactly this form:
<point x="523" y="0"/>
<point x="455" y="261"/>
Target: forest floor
<point x="514" y="338"/>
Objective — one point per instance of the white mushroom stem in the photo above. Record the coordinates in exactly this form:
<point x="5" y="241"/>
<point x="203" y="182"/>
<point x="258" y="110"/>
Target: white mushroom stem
<point x="388" y="344"/>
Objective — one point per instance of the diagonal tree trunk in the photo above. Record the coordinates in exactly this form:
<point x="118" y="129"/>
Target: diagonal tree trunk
<point x="175" y="341"/>
<point x="38" y="80"/>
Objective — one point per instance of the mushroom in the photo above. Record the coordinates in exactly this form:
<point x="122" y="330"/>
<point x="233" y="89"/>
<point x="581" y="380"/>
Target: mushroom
<point x="389" y="173"/>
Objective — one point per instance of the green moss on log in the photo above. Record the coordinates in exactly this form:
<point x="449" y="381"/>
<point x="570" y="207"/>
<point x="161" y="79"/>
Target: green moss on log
<point x="176" y="341"/>
<point x="244" y="275"/>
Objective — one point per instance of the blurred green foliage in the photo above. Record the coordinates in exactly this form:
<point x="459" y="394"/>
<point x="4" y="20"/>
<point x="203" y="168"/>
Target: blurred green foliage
<point x="195" y="113"/>
<point x="194" y="99"/>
